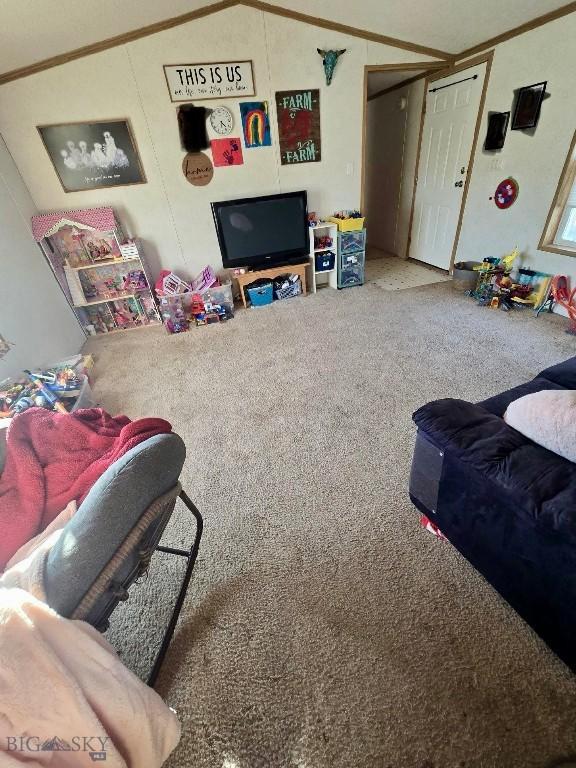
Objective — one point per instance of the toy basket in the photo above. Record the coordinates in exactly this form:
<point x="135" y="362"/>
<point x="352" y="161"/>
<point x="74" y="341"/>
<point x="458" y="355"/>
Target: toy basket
<point x="294" y="289"/>
<point x="347" y="225"/>
<point x="260" y="294"/>
<point x="220" y="294"/>
<point x="324" y="262"/>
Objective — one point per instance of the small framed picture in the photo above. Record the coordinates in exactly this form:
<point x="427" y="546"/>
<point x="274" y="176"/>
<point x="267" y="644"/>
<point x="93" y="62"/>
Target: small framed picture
<point x="497" y="127"/>
<point x="93" y="155"/>
<point x="527" y="109"/>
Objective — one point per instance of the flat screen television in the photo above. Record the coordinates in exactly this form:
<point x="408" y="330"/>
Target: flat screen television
<point x="263" y="231"/>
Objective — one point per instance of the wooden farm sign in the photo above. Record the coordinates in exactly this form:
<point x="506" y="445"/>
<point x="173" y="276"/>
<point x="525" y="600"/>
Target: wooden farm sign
<point x="195" y="82"/>
<point x="299" y="126"/>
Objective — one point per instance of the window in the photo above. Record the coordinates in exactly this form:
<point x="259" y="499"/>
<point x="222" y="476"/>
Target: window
<point x="559" y="234"/>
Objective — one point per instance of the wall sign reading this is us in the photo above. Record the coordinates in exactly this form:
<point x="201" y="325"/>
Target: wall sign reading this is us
<point x="218" y="80"/>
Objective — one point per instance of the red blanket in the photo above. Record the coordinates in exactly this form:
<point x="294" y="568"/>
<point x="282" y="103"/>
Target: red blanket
<point x="53" y="458"/>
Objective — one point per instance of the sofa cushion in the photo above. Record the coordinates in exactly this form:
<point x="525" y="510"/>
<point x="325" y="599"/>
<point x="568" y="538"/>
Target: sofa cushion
<point x="542" y="483"/>
<point x="563" y="374"/>
<point x="548" y="418"/>
<point x="498" y="404"/>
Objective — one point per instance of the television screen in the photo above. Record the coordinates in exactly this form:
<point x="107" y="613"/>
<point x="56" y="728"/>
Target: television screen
<point x="263" y="231"/>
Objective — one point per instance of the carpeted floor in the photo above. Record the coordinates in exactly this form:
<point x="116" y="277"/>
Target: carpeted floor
<point x="323" y="627"/>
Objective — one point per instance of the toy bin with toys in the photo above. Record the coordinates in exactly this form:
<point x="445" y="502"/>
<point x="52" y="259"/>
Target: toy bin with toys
<point x="221" y="295"/>
<point x="260" y="292"/>
<point x="347" y="221"/>
<point x="202" y="301"/>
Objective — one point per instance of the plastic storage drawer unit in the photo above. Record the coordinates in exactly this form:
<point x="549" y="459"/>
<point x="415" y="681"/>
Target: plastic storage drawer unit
<point x="351" y="258"/>
<point x="351" y="242"/>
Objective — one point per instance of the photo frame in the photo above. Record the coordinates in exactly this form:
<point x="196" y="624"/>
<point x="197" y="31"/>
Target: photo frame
<point x="527" y="108"/>
<point x="93" y="154"/>
<point x="496" y="133"/>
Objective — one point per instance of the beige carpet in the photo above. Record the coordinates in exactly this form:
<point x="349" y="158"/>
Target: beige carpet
<point x="323" y="627"/>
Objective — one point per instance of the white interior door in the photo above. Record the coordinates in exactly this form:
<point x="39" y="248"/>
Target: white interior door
<point x="452" y="105"/>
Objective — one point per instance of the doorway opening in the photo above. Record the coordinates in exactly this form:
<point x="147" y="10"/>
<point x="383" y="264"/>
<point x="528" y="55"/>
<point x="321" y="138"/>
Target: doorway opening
<point x="421" y="125"/>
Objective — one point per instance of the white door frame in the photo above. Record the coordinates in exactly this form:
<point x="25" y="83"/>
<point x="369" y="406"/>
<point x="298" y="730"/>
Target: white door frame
<point x="487" y="57"/>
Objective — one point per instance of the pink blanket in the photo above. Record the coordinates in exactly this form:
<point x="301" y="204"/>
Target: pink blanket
<point x="66" y="700"/>
<point x="54" y="458"/>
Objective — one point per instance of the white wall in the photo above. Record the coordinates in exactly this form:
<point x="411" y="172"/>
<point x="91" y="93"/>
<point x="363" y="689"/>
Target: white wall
<point x="391" y="147"/>
<point x="34" y="315"/>
<point x="535" y="161"/>
<point x="172" y="217"/>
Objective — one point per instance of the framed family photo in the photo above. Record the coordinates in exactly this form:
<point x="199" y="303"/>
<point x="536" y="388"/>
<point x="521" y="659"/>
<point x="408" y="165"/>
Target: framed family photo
<point x="93" y="155"/>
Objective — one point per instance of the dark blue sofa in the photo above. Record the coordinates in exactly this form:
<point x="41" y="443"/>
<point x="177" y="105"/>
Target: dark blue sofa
<point x="507" y="504"/>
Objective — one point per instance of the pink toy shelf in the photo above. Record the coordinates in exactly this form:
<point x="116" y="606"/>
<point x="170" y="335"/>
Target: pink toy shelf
<point x="102" y="274"/>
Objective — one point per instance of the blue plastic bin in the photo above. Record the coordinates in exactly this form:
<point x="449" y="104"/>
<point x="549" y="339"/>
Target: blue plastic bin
<point x="324" y="261"/>
<point x="260" y="295"/>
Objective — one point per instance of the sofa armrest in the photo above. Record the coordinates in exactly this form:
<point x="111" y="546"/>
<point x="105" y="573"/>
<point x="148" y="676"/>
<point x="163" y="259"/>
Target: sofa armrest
<point x="563" y="374"/>
<point x="543" y="484"/>
<point x="112" y="508"/>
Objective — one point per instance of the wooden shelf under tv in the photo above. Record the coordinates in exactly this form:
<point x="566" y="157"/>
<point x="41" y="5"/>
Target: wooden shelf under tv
<point x="270" y="274"/>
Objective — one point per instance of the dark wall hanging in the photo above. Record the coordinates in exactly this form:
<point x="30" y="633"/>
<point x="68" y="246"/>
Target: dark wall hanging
<point x="299" y="126"/>
<point x="93" y="155"/>
<point x="527" y="109"/>
<point x="497" y="127"/>
<point x="192" y="125"/>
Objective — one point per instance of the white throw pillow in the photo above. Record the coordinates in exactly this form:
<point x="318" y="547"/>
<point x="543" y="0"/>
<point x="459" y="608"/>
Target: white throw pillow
<point x="548" y="418"/>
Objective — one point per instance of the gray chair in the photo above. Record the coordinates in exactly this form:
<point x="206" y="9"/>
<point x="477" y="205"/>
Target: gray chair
<point x="111" y="539"/>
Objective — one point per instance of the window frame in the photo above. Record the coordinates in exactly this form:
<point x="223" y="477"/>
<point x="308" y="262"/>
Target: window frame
<point x="558" y="213"/>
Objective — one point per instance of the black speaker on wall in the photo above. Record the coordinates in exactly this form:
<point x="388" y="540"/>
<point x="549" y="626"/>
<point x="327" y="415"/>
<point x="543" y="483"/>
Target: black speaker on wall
<point x="192" y="125"/>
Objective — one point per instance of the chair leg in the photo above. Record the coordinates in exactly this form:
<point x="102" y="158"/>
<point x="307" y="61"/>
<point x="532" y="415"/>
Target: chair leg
<point x="191" y="556"/>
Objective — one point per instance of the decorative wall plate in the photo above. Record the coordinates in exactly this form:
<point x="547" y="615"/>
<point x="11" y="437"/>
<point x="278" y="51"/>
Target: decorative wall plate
<point x="222" y="121"/>
<point x="506" y="193"/>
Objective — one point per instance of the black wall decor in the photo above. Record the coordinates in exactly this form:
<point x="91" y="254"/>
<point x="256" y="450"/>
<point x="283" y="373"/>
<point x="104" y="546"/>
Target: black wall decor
<point x="192" y="125"/>
<point x="527" y="107"/>
<point x="497" y="127"/>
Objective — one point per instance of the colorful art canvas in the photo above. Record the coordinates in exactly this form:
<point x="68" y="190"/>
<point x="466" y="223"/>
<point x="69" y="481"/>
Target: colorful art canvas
<point x="299" y="126"/>
<point x="227" y="152"/>
<point x="255" y="124"/>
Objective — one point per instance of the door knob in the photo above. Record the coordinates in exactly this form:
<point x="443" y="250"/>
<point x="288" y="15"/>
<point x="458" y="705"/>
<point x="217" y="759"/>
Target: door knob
<point x="458" y="183"/>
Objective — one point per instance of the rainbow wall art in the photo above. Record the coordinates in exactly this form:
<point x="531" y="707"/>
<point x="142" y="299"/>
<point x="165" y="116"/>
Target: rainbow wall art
<point x="255" y="124"/>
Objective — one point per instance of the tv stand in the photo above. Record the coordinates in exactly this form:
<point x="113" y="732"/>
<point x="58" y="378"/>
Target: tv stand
<point x="249" y="277"/>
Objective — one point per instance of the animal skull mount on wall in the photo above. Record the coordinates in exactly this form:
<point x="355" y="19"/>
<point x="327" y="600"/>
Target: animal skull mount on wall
<point x="330" y="59"/>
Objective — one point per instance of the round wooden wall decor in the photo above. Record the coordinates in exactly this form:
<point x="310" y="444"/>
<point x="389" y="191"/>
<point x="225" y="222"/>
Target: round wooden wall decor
<point x="198" y="168"/>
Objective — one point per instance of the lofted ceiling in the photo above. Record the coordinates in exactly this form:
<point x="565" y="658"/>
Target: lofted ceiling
<point x="33" y="30"/>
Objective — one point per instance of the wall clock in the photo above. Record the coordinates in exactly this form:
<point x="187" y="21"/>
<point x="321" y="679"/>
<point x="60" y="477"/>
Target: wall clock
<point x="221" y="120"/>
